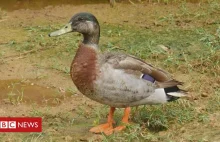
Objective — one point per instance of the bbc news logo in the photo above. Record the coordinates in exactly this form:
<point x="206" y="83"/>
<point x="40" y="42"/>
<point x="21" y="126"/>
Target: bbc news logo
<point x="20" y="124"/>
<point x="8" y="124"/>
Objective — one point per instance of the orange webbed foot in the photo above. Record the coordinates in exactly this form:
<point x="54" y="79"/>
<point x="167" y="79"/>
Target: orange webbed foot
<point x="106" y="128"/>
<point x="124" y="120"/>
<point x="119" y="128"/>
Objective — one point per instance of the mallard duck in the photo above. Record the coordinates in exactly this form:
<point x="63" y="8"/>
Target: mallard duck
<point x="115" y="79"/>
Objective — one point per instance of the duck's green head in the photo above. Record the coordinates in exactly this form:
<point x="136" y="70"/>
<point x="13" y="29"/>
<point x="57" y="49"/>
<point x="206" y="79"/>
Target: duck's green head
<point x="84" y="23"/>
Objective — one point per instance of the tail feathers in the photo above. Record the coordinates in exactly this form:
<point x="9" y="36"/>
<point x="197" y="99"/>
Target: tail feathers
<point x="173" y="93"/>
<point x="162" y="95"/>
<point x="177" y="94"/>
<point x="168" y="84"/>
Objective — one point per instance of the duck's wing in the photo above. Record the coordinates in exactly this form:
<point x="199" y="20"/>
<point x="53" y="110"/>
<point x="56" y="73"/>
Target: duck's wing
<point x="127" y="62"/>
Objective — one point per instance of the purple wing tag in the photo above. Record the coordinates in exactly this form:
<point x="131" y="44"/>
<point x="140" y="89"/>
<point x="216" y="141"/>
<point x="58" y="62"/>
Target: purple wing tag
<point x="148" y="78"/>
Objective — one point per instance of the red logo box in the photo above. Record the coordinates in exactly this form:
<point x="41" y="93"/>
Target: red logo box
<point x="20" y="124"/>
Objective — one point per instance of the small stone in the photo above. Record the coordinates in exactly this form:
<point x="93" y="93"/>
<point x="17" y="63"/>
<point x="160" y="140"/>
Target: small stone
<point x="204" y="95"/>
<point x="62" y="90"/>
<point x="32" y="84"/>
<point x="164" y="47"/>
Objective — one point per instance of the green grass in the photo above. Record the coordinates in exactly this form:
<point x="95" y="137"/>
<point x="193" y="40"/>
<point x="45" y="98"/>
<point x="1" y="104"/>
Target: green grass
<point x="15" y="96"/>
<point x="144" y="45"/>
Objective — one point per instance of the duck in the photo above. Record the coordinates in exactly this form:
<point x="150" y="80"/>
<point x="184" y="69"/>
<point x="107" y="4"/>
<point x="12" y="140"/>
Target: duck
<point x="115" y="79"/>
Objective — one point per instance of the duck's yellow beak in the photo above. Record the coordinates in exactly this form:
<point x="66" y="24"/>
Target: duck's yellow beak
<point x="66" y="29"/>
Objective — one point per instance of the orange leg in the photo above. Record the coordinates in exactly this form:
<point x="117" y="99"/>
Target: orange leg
<point x="106" y="128"/>
<point x="124" y="119"/>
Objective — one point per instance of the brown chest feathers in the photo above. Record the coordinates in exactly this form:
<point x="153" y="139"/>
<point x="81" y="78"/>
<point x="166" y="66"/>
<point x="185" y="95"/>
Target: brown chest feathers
<point x="84" y="69"/>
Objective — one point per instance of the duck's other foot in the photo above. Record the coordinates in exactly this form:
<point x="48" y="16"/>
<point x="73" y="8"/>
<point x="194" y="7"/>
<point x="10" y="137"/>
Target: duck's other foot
<point x="106" y="128"/>
<point x="119" y="128"/>
<point x="124" y="120"/>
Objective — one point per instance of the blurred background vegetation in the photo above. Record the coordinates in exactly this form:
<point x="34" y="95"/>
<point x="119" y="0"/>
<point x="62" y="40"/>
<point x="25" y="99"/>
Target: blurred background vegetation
<point x="37" y="4"/>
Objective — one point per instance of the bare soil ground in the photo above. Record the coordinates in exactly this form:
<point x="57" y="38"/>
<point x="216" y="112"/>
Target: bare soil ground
<point x="33" y="85"/>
